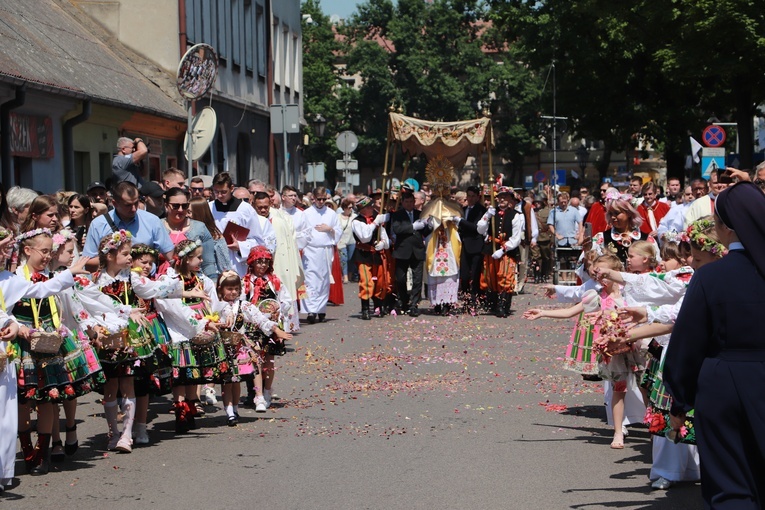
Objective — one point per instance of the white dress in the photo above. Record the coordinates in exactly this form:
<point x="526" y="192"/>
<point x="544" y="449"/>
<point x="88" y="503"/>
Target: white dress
<point x="443" y="272"/>
<point x="317" y="258"/>
<point x="9" y="409"/>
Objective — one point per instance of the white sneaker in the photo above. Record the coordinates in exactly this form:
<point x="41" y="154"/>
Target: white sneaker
<point x="260" y="405"/>
<point x="124" y="445"/>
<point x="267" y="396"/>
<point x="661" y="484"/>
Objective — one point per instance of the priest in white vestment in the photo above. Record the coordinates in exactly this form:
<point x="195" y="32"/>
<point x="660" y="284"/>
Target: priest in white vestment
<point x="318" y="254"/>
<point x="225" y="208"/>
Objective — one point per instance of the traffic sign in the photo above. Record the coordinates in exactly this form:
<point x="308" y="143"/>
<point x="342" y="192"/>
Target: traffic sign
<point x="713" y="136"/>
<point x="353" y="164"/>
<point x="712" y="159"/>
<point x="347" y="142"/>
<point x="540" y="176"/>
<point x="315" y="172"/>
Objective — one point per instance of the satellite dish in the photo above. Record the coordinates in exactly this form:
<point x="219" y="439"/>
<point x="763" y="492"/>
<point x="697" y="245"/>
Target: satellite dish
<point x="202" y="133"/>
<point x="197" y="71"/>
<point x="334" y="19"/>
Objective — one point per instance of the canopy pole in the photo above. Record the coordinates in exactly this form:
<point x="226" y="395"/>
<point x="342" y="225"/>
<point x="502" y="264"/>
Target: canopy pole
<point x="388" y="143"/>
<point x="491" y="187"/>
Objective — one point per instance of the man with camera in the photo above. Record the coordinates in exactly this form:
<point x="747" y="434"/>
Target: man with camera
<point x="126" y="165"/>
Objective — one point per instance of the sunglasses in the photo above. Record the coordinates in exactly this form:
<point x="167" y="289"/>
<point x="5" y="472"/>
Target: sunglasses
<point x="321" y="199"/>
<point x="178" y="207"/>
<point x="197" y="190"/>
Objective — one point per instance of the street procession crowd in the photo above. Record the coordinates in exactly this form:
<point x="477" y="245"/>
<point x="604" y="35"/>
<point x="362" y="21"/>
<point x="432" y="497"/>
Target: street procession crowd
<point x="667" y="316"/>
<point x="138" y="289"/>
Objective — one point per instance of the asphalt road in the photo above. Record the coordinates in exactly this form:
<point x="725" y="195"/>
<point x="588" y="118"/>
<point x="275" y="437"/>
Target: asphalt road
<point x="417" y="413"/>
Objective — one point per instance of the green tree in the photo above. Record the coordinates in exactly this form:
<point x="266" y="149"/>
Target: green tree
<point x="431" y="60"/>
<point x="321" y="84"/>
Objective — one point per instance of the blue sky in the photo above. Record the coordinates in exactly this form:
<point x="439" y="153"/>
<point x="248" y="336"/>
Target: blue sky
<point x="343" y="8"/>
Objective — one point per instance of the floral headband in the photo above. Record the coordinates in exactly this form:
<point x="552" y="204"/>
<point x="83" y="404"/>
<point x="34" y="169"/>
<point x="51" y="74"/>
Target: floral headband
<point x="142" y="249"/>
<point x="116" y="240"/>
<point x="189" y="248"/>
<point x="673" y="236"/>
<point x="60" y="238"/>
<point x="33" y="233"/>
<point x="698" y="237"/>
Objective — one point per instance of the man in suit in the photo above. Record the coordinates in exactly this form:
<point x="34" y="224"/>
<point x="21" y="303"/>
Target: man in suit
<point x="409" y="252"/>
<point x="471" y="257"/>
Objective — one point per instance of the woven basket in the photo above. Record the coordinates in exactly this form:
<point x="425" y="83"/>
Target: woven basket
<point x="114" y="342"/>
<point x="231" y="337"/>
<point x="3" y="361"/>
<point x="46" y="343"/>
<point x="203" y="338"/>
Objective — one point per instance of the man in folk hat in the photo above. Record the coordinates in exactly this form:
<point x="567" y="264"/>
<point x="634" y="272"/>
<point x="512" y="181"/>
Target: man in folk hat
<point x="371" y="240"/>
<point x="409" y="251"/>
<point x="501" y="252"/>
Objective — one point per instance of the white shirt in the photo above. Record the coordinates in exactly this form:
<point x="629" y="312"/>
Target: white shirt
<point x="315" y="216"/>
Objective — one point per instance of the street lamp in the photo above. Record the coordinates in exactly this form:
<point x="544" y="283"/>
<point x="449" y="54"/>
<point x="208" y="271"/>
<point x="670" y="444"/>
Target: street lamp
<point x="319" y="125"/>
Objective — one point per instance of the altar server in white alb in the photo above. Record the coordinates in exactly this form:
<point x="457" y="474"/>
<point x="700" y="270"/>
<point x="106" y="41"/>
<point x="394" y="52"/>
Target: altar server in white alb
<point x="225" y="208"/>
<point x="303" y="230"/>
<point x="317" y="255"/>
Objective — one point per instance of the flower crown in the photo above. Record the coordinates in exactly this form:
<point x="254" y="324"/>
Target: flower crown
<point x="116" y="240"/>
<point x="189" y="248"/>
<point x="60" y="238"/>
<point x="673" y="236"/>
<point x="32" y="233"/>
<point x="143" y="249"/>
<point x="697" y="235"/>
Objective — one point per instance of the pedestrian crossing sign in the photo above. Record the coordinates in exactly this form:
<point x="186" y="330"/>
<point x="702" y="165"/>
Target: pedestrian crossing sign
<point x="711" y="161"/>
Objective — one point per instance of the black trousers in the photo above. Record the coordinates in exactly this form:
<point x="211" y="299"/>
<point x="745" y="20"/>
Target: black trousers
<point x="409" y="299"/>
<point x="730" y="418"/>
<point x="471" y="266"/>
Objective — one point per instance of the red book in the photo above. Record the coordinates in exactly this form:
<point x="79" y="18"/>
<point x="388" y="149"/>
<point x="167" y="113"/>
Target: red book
<point x="234" y="231"/>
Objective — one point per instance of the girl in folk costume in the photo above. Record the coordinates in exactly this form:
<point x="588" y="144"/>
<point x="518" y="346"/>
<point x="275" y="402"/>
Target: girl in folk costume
<point x="244" y="324"/>
<point x="134" y="353"/>
<point x="197" y="352"/>
<point x="609" y="298"/>
<point x="158" y="381"/>
<point x="264" y="289"/>
<point x="675" y="457"/>
<point x="14" y="415"/>
<point x="81" y="323"/>
<point x="501" y="252"/>
<point x="52" y="365"/>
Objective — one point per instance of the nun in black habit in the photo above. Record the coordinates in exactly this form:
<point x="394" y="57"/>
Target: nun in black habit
<point x="715" y="361"/>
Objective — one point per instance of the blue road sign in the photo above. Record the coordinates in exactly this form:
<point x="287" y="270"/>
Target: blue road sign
<point x="710" y="164"/>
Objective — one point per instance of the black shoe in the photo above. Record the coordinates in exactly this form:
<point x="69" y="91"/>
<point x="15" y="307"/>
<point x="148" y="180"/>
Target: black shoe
<point x="71" y="449"/>
<point x="414" y="312"/>
<point x="365" y="315"/>
<point x="311" y="318"/>
<point x="40" y="469"/>
<point x="233" y="421"/>
<point x="437" y="309"/>
<point x="322" y="316"/>
<point x="57" y="456"/>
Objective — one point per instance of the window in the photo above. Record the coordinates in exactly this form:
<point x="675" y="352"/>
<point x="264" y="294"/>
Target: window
<point x="260" y="22"/>
<point x="224" y="21"/>
<point x="236" y="32"/>
<point x="249" y="37"/>
<point x="104" y="166"/>
<point x="81" y="169"/>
